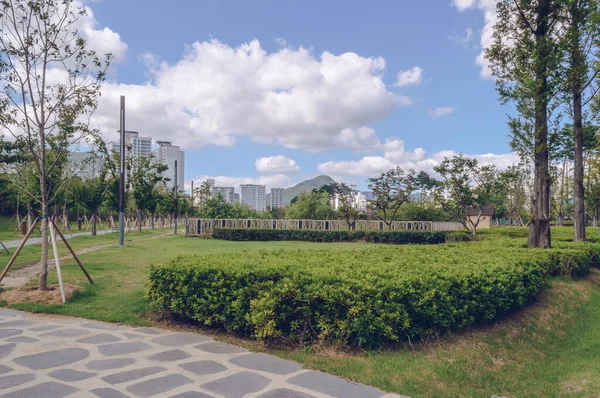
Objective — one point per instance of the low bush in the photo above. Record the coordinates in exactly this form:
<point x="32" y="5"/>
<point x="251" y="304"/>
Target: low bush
<point x="368" y="298"/>
<point x="391" y="237"/>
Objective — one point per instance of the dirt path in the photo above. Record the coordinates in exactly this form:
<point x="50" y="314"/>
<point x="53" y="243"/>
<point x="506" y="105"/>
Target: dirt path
<point x="20" y="277"/>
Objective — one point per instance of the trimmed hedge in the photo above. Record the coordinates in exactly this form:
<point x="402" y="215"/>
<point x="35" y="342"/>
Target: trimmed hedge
<point x="391" y="237"/>
<point x="367" y="298"/>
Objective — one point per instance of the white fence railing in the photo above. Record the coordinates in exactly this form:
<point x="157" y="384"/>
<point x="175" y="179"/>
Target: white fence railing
<point x="199" y="226"/>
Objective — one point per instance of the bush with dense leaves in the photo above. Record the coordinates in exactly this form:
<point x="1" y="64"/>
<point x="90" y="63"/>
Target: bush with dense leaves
<point x="391" y="237"/>
<point x="368" y="298"/>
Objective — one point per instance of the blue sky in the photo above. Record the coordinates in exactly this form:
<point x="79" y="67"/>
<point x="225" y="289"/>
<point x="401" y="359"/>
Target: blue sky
<point x="222" y="138"/>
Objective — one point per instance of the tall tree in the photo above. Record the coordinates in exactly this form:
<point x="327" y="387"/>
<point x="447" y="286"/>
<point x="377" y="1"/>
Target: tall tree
<point x="390" y="190"/>
<point x="50" y="84"/>
<point x="146" y="175"/>
<point x="582" y="53"/>
<point x="346" y="204"/>
<point x="466" y="188"/>
<point x="525" y="58"/>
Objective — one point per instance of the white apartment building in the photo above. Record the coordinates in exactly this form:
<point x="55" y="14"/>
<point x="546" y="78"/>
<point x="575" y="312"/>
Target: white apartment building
<point x="140" y="146"/>
<point x="277" y="198"/>
<point x="254" y="196"/>
<point x="167" y="154"/>
<point x="225" y="192"/>
<point x="359" y="201"/>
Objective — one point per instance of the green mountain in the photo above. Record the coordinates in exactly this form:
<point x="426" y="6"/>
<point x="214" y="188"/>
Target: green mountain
<point x="307" y="186"/>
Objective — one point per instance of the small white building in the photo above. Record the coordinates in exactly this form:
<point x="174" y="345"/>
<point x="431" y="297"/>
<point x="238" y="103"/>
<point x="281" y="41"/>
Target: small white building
<point x="277" y="198"/>
<point x="359" y="201"/>
<point x="254" y="196"/>
<point x="167" y="154"/>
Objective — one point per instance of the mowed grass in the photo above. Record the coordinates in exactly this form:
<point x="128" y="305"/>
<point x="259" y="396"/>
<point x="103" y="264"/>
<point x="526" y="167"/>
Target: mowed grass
<point x="548" y="350"/>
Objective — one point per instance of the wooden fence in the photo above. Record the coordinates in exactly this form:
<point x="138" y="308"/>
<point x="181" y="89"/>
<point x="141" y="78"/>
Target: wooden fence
<point x="198" y="226"/>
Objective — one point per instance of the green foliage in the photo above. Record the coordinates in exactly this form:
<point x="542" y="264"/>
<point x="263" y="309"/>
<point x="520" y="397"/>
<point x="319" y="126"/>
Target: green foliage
<point x="392" y="237"/>
<point x="422" y="211"/>
<point x="369" y="298"/>
<point x="311" y="206"/>
<point x="466" y="187"/>
<point x="390" y="190"/>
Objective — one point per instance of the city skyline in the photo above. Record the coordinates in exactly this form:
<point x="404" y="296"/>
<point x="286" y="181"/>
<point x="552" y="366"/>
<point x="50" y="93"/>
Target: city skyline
<point x="298" y="111"/>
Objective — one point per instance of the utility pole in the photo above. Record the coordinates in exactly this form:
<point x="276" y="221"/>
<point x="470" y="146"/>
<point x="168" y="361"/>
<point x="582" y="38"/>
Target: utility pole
<point x="175" y="183"/>
<point x="122" y="176"/>
<point x="192" y="198"/>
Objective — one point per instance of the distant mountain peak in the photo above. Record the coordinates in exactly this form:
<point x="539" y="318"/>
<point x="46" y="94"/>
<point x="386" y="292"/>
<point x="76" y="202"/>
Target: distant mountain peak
<point x="307" y="186"/>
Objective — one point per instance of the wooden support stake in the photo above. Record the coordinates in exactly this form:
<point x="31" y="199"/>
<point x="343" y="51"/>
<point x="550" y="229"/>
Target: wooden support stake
<point x="16" y="253"/>
<point x="5" y="248"/>
<point x="73" y="254"/>
<point x="57" y="260"/>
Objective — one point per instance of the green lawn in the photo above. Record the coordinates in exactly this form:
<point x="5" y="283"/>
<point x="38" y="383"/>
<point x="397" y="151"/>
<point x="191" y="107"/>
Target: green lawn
<point x="549" y="349"/>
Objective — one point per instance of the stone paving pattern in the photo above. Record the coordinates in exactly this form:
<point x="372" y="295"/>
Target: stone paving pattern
<point x="55" y="357"/>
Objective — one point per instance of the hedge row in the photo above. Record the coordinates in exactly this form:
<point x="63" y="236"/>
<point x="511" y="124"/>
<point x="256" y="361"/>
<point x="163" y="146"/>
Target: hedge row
<point x="392" y="237"/>
<point x="368" y="298"/>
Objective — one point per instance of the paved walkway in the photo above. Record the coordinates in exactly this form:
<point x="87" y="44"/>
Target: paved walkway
<point x="53" y="357"/>
<point x="68" y="235"/>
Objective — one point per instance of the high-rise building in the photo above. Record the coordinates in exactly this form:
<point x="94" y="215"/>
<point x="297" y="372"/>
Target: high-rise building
<point x="167" y="154"/>
<point x="225" y="192"/>
<point x="254" y="196"/>
<point x="277" y="198"/>
<point x="140" y="146"/>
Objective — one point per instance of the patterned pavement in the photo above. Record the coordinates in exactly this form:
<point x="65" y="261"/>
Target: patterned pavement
<point x="55" y="357"/>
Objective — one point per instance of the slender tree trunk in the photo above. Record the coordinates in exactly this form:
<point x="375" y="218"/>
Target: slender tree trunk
<point x="539" y="229"/>
<point x="139" y="220"/>
<point x="577" y="64"/>
<point x="152" y="219"/>
<point x="43" y="276"/>
<point x="595" y="220"/>
<point x="94" y="218"/>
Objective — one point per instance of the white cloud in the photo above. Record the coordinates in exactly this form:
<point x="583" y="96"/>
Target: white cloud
<point x="441" y="111"/>
<point x="271" y="181"/>
<point x="395" y="155"/>
<point x="409" y="77"/>
<point x="463" y="4"/>
<point x="276" y="164"/>
<point x="488" y="7"/>
<point x="289" y="97"/>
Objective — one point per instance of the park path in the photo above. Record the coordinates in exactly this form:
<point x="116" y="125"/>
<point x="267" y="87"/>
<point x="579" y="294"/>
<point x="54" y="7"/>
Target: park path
<point x="35" y="241"/>
<point x="54" y="357"/>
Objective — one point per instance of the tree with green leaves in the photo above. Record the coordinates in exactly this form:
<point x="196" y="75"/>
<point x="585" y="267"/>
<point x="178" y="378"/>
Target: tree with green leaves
<point x="347" y="211"/>
<point x="582" y="54"/>
<point x="465" y="189"/>
<point x="146" y="175"/>
<point x="390" y="190"/>
<point x="525" y="59"/>
<point x="512" y="191"/>
<point x="311" y="206"/>
<point x="39" y="42"/>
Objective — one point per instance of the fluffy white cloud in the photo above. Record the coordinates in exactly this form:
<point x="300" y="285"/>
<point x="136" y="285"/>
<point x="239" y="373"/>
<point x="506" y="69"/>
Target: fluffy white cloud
<point x="276" y="164"/>
<point x="395" y="155"/>
<point x="409" y="77"/>
<point x="289" y="97"/>
<point x="488" y="7"/>
<point x="441" y="111"/>
<point x="271" y="181"/>
<point x="103" y="40"/>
